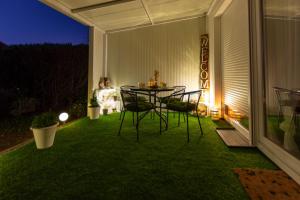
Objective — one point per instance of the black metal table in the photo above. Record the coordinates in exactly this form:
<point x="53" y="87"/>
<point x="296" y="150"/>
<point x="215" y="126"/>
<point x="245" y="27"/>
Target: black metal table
<point x="153" y="93"/>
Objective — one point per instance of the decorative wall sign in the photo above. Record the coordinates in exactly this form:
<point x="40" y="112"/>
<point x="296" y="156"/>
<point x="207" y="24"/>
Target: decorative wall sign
<point x="204" y="55"/>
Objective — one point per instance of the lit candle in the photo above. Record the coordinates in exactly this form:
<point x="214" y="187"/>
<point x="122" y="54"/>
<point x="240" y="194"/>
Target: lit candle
<point x="214" y="113"/>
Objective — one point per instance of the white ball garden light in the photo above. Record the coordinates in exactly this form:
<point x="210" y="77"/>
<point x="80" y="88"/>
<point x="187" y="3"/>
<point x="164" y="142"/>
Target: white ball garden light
<point x="63" y="117"/>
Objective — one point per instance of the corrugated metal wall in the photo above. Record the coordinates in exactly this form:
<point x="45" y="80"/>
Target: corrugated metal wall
<point x="173" y="49"/>
<point x="236" y="62"/>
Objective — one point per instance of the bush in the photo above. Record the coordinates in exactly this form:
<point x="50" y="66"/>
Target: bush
<point x="24" y="105"/>
<point x="78" y="110"/>
<point x="44" y="120"/>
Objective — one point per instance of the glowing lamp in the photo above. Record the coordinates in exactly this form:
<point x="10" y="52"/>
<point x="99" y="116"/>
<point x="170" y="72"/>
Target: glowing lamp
<point x="63" y="117"/>
<point x="236" y="114"/>
<point x="214" y="113"/>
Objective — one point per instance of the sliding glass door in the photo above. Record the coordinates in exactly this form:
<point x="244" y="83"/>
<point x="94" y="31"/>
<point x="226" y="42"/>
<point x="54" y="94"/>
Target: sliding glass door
<point x="281" y="25"/>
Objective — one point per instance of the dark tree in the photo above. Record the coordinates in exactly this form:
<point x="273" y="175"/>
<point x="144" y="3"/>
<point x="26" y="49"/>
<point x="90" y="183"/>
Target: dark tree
<point x="52" y="75"/>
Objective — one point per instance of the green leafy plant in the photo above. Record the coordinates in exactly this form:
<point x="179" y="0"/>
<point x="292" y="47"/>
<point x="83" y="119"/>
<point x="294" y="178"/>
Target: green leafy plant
<point x="44" y="120"/>
<point x="94" y="101"/>
<point x="77" y="110"/>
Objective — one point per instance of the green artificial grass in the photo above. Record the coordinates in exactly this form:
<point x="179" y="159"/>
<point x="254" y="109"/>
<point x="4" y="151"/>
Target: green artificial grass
<point x="222" y="124"/>
<point x="274" y="132"/>
<point x="245" y="122"/>
<point x="89" y="161"/>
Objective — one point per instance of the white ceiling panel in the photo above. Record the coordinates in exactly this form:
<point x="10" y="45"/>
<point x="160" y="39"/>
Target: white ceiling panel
<point x="129" y="13"/>
<point x="111" y="10"/>
<point x="118" y="16"/>
<point x="161" y="10"/>
<point x="129" y="18"/>
<point x="73" y="4"/>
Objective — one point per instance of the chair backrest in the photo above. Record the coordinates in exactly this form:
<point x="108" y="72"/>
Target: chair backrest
<point x="188" y="95"/>
<point x="295" y="100"/>
<point x="179" y="89"/>
<point x="126" y="87"/>
<point x="282" y="95"/>
<point x="129" y="97"/>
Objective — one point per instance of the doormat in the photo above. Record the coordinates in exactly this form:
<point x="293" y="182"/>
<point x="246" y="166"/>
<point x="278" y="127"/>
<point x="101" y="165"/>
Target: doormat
<point x="263" y="184"/>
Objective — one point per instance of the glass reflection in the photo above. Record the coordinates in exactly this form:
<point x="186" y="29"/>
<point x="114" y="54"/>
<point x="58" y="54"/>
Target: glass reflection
<point x="282" y="73"/>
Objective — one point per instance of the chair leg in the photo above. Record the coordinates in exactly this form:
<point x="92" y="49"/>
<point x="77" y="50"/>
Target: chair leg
<point x="183" y="118"/>
<point x="160" y="119"/>
<point x="121" y="114"/>
<point x="292" y="122"/>
<point x="187" y="127"/>
<point x="167" y="125"/>
<point x="122" y="122"/>
<point x="279" y="117"/>
<point x="137" y="126"/>
<point x="199" y="123"/>
<point x="297" y="122"/>
<point x="133" y="118"/>
<point x="178" y="118"/>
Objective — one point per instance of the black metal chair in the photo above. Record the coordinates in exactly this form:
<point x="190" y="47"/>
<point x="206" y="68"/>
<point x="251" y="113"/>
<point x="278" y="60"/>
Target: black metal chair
<point x="177" y="89"/>
<point x="283" y="99"/>
<point x="140" y="98"/>
<point x="185" y="106"/>
<point x="132" y="104"/>
<point x="295" y="104"/>
<point x="165" y="99"/>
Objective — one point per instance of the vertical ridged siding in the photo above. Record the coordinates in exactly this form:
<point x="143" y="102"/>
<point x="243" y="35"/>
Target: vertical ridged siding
<point x="173" y="49"/>
<point x="235" y="48"/>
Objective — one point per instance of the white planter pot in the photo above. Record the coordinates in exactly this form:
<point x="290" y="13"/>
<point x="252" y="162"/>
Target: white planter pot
<point x="94" y="112"/>
<point x="44" y="137"/>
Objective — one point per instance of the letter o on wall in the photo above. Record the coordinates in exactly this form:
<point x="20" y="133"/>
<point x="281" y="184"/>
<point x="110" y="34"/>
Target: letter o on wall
<point x="204" y="75"/>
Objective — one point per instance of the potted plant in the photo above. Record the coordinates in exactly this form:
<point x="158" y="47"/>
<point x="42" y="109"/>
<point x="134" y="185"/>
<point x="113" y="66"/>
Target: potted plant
<point x="94" y="108"/>
<point x="105" y="109"/>
<point x="115" y="96"/>
<point x="44" y="128"/>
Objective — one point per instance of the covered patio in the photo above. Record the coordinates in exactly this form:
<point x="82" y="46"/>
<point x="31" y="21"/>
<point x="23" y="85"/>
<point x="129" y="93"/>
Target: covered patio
<point x="217" y="49"/>
<point x="233" y="67"/>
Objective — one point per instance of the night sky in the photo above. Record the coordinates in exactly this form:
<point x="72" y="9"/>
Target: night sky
<point x="31" y="22"/>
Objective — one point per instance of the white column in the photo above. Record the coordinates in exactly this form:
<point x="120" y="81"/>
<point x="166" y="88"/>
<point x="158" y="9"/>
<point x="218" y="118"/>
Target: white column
<point x="215" y="70"/>
<point x="96" y="59"/>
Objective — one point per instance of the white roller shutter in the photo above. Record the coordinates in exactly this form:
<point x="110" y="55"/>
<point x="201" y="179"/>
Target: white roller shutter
<point x="235" y="52"/>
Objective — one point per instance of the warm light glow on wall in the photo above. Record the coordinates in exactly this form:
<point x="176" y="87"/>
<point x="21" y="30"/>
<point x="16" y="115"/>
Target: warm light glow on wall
<point x="205" y="96"/>
<point x="229" y="99"/>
